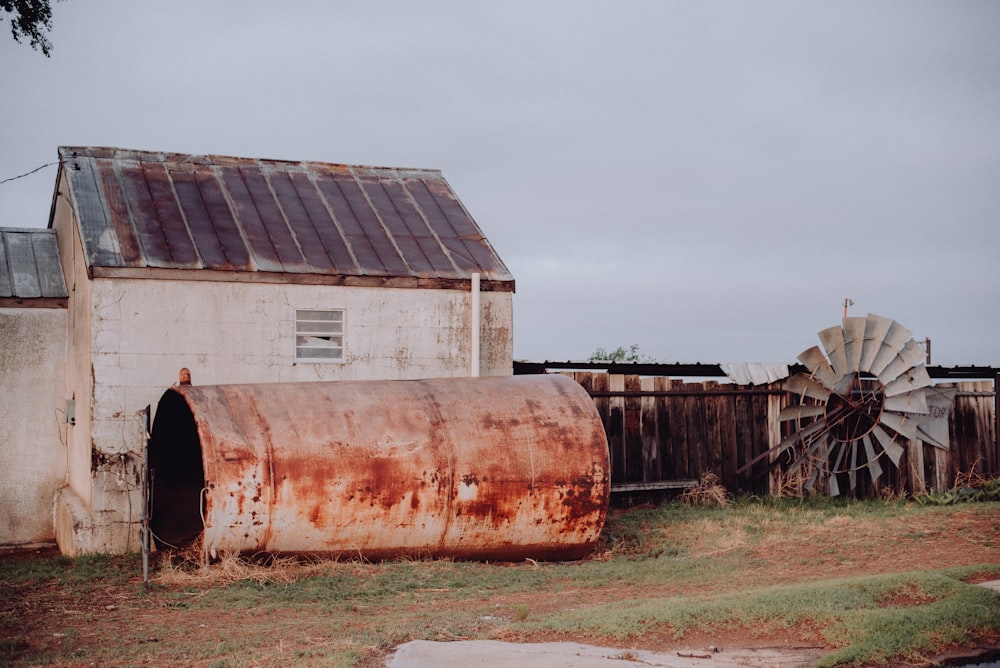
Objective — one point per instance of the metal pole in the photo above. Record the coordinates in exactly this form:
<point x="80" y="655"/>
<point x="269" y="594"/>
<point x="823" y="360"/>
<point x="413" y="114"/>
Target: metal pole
<point x="144" y="538"/>
<point x="475" y="325"/>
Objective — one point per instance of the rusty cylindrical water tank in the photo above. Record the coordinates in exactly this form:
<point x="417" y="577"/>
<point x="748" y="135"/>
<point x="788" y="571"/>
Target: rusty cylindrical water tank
<point x="471" y="468"/>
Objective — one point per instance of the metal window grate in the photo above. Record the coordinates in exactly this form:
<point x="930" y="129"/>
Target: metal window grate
<point x="319" y="335"/>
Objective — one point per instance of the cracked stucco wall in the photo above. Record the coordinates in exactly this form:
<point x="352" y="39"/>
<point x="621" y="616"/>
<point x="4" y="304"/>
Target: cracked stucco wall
<point x="32" y="421"/>
<point x="143" y="331"/>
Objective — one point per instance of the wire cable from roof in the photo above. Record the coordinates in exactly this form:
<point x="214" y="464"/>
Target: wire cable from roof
<point x="36" y="169"/>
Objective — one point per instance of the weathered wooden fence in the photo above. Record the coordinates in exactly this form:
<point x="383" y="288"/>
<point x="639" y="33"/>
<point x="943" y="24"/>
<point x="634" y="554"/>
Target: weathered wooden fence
<point x="663" y="433"/>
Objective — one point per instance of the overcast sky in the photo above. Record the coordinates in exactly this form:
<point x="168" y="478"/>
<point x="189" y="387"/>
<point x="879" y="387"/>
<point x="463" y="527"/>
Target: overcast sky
<point x="707" y="180"/>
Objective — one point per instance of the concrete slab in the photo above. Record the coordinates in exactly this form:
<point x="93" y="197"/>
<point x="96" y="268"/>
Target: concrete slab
<point x="492" y="653"/>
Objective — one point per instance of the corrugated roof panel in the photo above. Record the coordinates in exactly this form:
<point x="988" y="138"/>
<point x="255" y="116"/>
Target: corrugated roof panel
<point x="370" y="243"/>
<point x="118" y="213"/>
<point x="23" y="270"/>
<point x="99" y="238"/>
<point x="447" y="227"/>
<point x="199" y="222"/>
<point x="421" y="230"/>
<point x="142" y="216"/>
<point x="47" y="265"/>
<point x="29" y="264"/>
<point x="273" y="222"/>
<point x="299" y="222"/>
<point x="221" y="216"/>
<point x="143" y="209"/>
<point x="180" y="250"/>
<point x="325" y="227"/>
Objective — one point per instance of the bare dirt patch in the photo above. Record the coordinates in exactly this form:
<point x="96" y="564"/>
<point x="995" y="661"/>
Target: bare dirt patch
<point x="118" y="624"/>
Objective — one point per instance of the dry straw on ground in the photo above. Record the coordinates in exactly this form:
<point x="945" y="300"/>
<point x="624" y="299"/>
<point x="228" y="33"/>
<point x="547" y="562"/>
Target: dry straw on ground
<point x="231" y="568"/>
<point x="708" y="492"/>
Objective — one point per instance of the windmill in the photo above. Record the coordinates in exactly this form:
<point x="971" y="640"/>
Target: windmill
<point x="865" y="396"/>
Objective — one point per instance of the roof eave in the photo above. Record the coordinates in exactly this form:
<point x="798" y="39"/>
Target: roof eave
<point x="406" y="282"/>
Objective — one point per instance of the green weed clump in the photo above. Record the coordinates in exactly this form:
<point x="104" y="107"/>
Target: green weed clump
<point x="973" y="492"/>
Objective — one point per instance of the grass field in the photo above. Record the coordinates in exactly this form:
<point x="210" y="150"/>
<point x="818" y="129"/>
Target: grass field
<point x="869" y="582"/>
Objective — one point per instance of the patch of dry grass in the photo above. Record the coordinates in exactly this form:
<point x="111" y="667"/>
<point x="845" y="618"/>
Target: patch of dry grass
<point x="179" y="570"/>
<point x="708" y="492"/>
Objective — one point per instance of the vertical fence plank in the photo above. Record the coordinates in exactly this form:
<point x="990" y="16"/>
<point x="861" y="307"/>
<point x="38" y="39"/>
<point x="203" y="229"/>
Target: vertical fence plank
<point x="727" y="442"/>
<point x="632" y="429"/>
<point x="743" y="441"/>
<point x="668" y="467"/>
<point x="713" y="436"/>
<point x="694" y="427"/>
<point x="773" y="431"/>
<point x="599" y="383"/>
<point x="649" y="431"/>
<point x="988" y="450"/>
<point x="942" y="470"/>
<point x="616" y="429"/>
<point x="915" y="450"/>
<point x="994" y="442"/>
<point x="678" y="433"/>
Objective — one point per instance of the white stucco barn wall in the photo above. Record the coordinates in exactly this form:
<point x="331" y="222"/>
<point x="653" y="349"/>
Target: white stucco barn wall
<point x="32" y="421"/>
<point x="141" y="331"/>
<point x="228" y="332"/>
<point x="128" y="336"/>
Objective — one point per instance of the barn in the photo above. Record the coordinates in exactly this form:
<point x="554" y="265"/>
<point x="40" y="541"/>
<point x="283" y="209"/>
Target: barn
<point x="242" y="270"/>
<point x="32" y="382"/>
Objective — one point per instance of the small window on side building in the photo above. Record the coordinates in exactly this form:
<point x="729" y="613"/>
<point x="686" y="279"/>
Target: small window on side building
<point x="319" y="335"/>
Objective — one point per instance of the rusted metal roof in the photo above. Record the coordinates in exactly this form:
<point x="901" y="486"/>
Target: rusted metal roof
<point x="147" y="210"/>
<point x="29" y="265"/>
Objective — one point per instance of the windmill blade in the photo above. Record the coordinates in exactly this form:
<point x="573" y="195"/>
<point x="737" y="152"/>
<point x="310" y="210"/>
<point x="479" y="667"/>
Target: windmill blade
<point x="900" y="424"/>
<point x="934" y="431"/>
<point x="821" y="444"/>
<point x="816" y="362"/>
<point x="801" y="436"/>
<point x="933" y="427"/>
<point x="914" y="379"/>
<point x="804" y="386"/>
<point x="832" y="483"/>
<point x="934" y="437"/>
<point x="832" y="339"/>
<point x="841" y="451"/>
<point x="875" y="330"/>
<point x="820" y="464"/>
<point x="914" y="401"/>
<point x="852" y="473"/>
<point x="889" y="444"/>
<point x="894" y="340"/>
<point x="812" y="479"/>
<point x="799" y="412"/>
<point x="910" y="356"/>
<point x="874" y="468"/>
<point x="854" y="341"/>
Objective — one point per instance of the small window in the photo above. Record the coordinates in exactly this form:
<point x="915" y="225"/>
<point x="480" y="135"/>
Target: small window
<point x="319" y="335"/>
